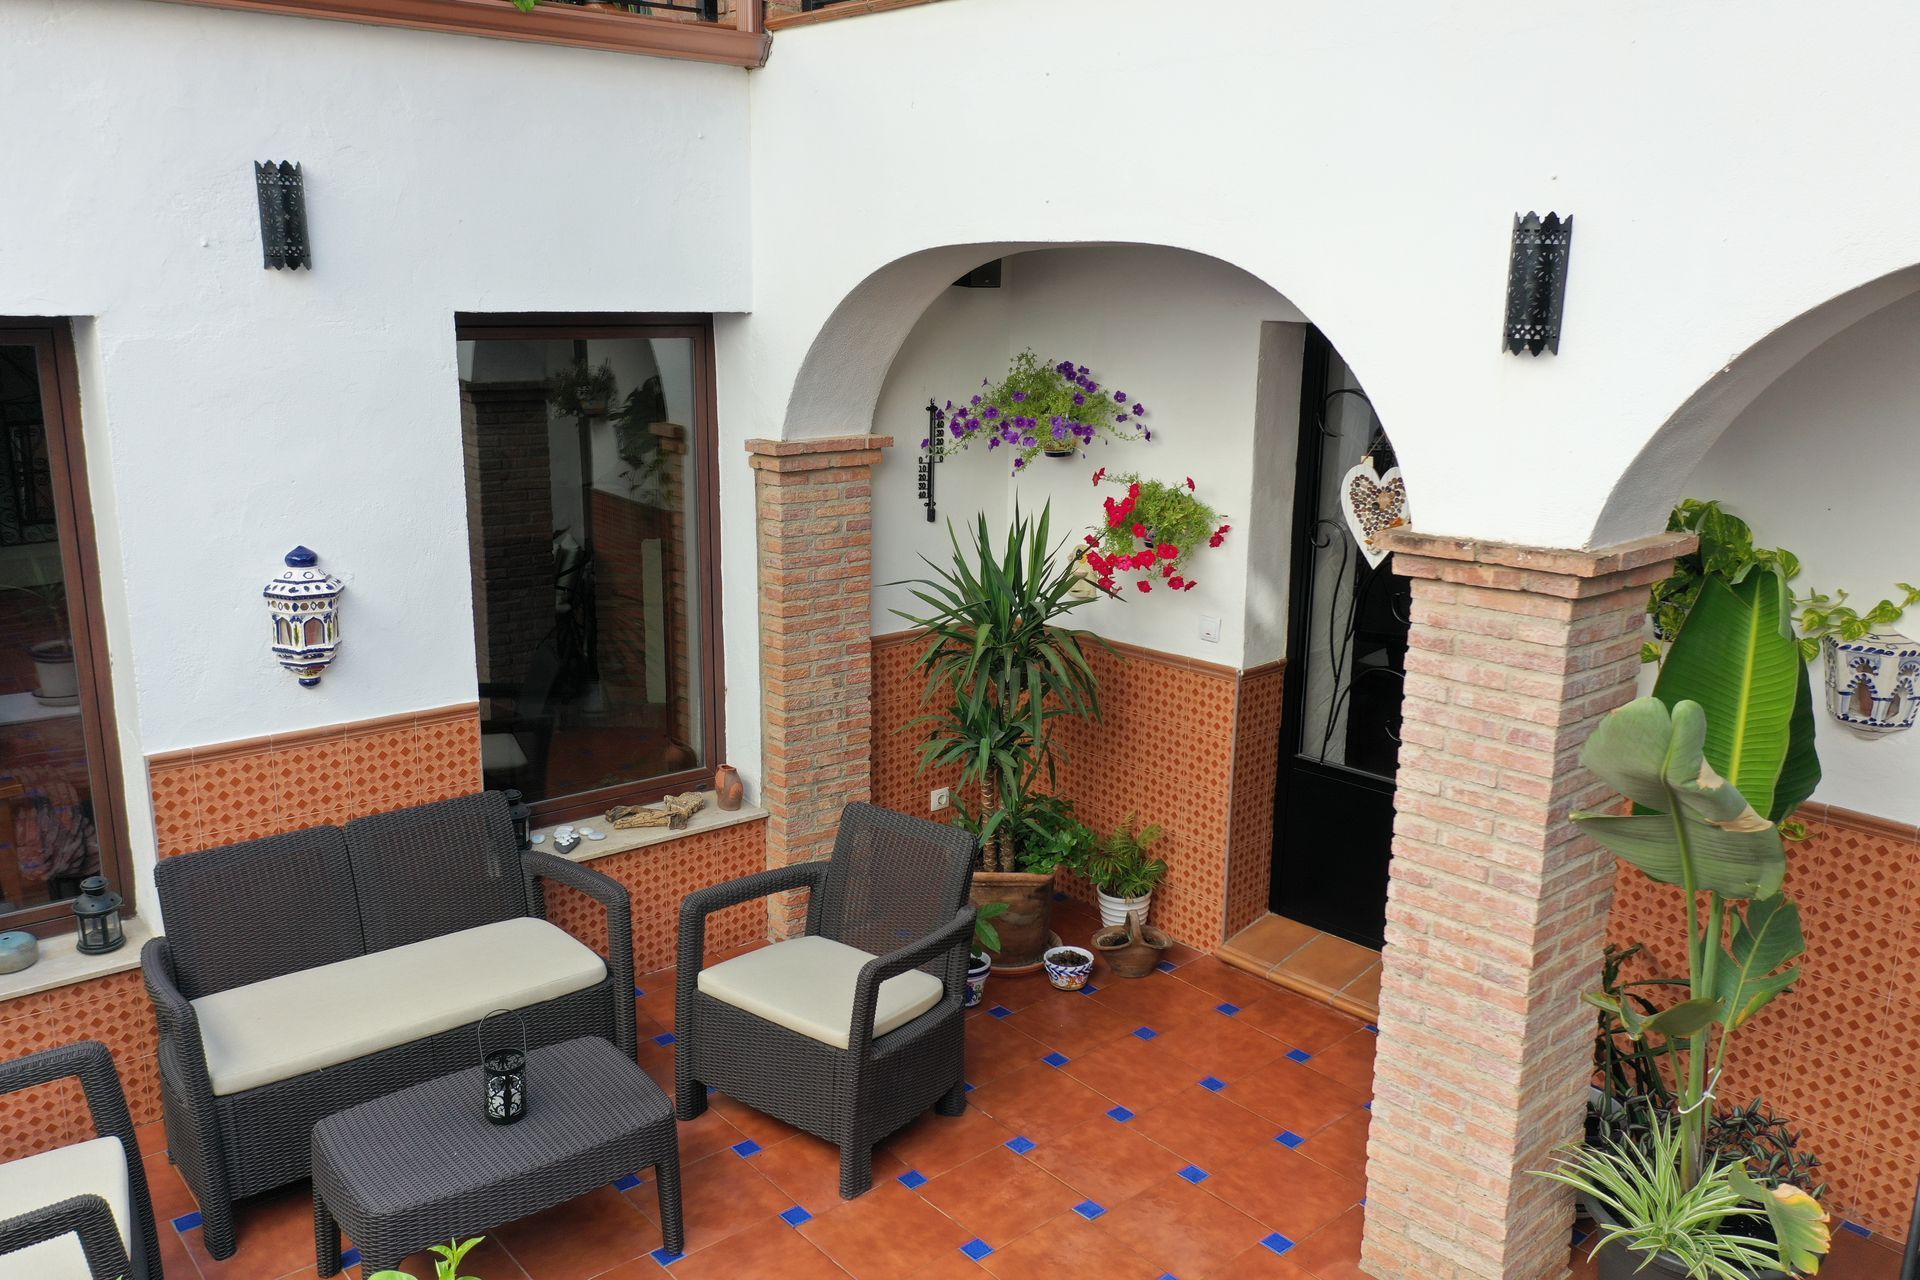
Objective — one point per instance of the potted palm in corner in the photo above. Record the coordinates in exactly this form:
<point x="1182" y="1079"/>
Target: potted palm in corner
<point x="1000" y="669"/>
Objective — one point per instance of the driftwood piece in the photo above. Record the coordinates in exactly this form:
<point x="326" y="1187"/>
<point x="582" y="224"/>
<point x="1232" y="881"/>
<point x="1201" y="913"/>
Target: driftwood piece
<point x="673" y="812"/>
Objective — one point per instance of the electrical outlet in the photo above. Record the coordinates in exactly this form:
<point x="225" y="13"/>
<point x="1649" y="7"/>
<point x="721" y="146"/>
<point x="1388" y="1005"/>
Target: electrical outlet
<point x="939" y="798"/>
<point x="1209" y="629"/>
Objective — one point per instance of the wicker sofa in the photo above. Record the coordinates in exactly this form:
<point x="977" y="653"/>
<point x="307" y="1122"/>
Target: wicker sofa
<point x="304" y="973"/>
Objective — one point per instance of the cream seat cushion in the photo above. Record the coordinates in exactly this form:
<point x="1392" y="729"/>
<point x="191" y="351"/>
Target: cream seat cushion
<point x="300" y="1022"/>
<point x="806" y="985"/>
<point x="96" y="1168"/>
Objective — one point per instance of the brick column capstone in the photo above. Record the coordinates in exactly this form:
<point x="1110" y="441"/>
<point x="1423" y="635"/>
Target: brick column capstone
<point x="814" y="504"/>
<point x="1497" y="911"/>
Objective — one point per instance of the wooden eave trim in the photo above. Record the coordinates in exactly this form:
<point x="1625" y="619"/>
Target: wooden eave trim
<point x="577" y="28"/>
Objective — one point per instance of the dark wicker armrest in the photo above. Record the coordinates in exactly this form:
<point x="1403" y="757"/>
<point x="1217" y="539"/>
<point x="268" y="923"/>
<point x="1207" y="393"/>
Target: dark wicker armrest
<point x="612" y="895"/>
<point x="701" y="903"/>
<point x="179" y="1024"/>
<point x="957" y="932"/>
<point x="87" y="1216"/>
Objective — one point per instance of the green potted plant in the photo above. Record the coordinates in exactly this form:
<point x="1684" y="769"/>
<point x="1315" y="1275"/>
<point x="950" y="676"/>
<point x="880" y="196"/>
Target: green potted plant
<point x="1042" y="407"/>
<point x="1150" y="534"/>
<point x="986" y="940"/>
<point x="445" y="1267"/>
<point x="582" y="390"/>
<point x="999" y="670"/>
<point x="1124" y="871"/>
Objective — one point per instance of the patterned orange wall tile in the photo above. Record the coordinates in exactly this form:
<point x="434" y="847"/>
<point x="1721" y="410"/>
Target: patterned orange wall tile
<point x="112" y="1010"/>
<point x="1837" y="1052"/>
<point x="1256" y="768"/>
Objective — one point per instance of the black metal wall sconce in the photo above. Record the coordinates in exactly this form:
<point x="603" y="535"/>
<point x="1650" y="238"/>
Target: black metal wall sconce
<point x="1537" y="282"/>
<point x="935" y="445"/>
<point x="283" y="215"/>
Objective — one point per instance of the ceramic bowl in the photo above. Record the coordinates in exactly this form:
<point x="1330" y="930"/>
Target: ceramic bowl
<point x="1068" y="968"/>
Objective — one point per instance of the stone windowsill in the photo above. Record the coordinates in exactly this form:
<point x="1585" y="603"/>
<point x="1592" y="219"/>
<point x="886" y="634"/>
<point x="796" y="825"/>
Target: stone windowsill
<point x="61" y="963"/>
<point x="617" y="841"/>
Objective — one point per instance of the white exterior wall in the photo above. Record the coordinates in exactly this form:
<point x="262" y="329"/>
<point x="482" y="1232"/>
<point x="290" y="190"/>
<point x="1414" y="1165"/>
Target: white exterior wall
<point x="231" y="412"/>
<point x="1180" y="333"/>
<point x="1823" y="464"/>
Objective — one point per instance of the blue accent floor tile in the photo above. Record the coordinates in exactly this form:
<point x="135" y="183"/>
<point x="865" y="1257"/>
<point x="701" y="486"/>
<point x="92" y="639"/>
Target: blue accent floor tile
<point x="1369" y="1104"/>
<point x="968" y="1087"/>
<point x="1277" y="1242"/>
<point x="1056" y="1059"/>
<point x="745" y="1149"/>
<point x="1195" y="1174"/>
<point x="1856" y="1228"/>
<point x="1579" y="1237"/>
<point x="711" y="1090"/>
<point x="1146" y="1033"/>
<point x="664" y="1258"/>
<point x="1168" y="1275"/>
<point x="1213" y="1083"/>
<point x="795" y="1216"/>
<point x="1229" y="1009"/>
<point x="350" y="1257"/>
<point x="1373" y="1027"/>
<point x="1088" y="990"/>
<point x="1058" y="896"/>
<point x="187" y="1221"/>
<point x="1298" y="1055"/>
<point x="1288" y="1138"/>
<point x="1021" y="1143"/>
<point x="639" y="993"/>
<point x="665" y="1038"/>
<point x="1166" y="966"/>
<point x="999" y="1011"/>
<point x="1089" y="1209"/>
<point x="626" y="1182"/>
<point x="1121" y="1114"/>
<point x="913" y="1179"/>
<point x="976" y="1248"/>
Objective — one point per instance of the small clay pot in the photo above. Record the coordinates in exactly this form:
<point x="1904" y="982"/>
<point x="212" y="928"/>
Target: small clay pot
<point x="1068" y="968"/>
<point x="728" y="790"/>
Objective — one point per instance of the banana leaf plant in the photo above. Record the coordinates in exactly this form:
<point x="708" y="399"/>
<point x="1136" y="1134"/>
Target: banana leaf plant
<point x="1000" y="668"/>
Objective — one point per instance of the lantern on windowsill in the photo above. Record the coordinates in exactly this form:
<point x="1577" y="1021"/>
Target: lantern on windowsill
<point x="305" y="603"/>
<point x="97" y="912"/>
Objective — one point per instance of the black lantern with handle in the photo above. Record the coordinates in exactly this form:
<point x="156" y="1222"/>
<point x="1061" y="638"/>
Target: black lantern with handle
<point x="504" y="1073"/>
<point x="97" y="910"/>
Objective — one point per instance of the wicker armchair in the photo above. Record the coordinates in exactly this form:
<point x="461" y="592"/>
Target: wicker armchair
<point x="858" y="1027"/>
<point x="373" y="895"/>
<point x="88" y="1195"/>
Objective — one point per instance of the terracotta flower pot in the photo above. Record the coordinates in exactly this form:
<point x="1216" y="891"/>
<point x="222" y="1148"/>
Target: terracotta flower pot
<point x="1023" y="929"/>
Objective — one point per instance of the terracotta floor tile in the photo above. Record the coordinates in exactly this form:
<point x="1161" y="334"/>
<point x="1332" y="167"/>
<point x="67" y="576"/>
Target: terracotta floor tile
<point x="1349" y="1060"/>
<point x="720" y="1196"/>
<point x="1342" y="1145"/>
<point x="1137" y="1073"/>
<point x="999" y="1196"/>
<point x="950" y="1266"/>
<point x="1204" y="1128"/>
<point x="1260" y="1263"/>
<point x="1856" y="1257"/>
<point x="1272" y="939"/>
<point x="1365" y="989"/>
<point x="887" y="1234"/>
<point x="758" y="1125"/>
<point x="995" y="1046"/>
<point x="177" y="1264"/>
<point x="807" y="1170"/>
<point x="276" y="1237"/>
<point x="580" y="1238"/>
<point x="168" y="1190"/>
<point x="1071" y="1024"/>
<point x="1154" y="1000"/>
<point x="152" y="1138"/>
<point x="1217" y="1045"/>
<point x="1181" y="1229"/>
<point x="770" y="1249"/>
<point x="1285" y="1191"/>
<point x="1222" y="980"/>
<point x="1040" y="1102"/>
<point x="710" y="1133"/>
<point x="1068" y="1248"/>
<point x="1295" y="1097"/>
<point x="1330" y="962"/>
<point x="1017" y="992"/>
<point x="1333" y="1252"/>
<point x="935" y="1143"/>
<point x="1106" y="1161"/>
<point x="1300" y="1022"/>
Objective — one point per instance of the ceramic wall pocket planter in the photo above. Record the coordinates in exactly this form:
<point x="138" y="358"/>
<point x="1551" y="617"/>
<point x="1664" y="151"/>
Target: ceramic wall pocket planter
<point x="305" y="602"/>
<point x="1872" y="682"/>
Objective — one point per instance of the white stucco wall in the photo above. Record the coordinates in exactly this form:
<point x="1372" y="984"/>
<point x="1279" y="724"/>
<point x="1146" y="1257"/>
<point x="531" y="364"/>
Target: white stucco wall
<point x="1365" y="161"/>
<point x="1822" y="464"/>
<point x="231" y="412"/>
<point x="1179" y="332"/>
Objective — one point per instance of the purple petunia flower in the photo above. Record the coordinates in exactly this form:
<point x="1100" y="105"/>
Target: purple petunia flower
<point x="923" y="444"/>
<point x="976" y="399"/>
<point x="1082" y="369"/>
<point x="1027" y="442"/>
<point x="1138" y="409"/>
<point x="1019" y="463"/>
<point x="1119" y="397"/>
<point x="1019" y="397"/>
<point x="1093" y="387"/>
<point x="1059" y="433"/>
<point x="1078" y="398"/>
<point x="993" y="442"/>
<point x="993" y="411"/>
<point x="1149" y="432"/>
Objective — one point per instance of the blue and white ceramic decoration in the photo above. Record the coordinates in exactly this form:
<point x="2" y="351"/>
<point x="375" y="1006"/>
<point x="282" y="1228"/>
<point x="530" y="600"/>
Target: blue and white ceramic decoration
<point x="1871" y="682"/>
<point x="1068" y="968"/>
<point x="305" y="603"/>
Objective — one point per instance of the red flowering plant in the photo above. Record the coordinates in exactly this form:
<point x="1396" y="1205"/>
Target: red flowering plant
<point x="1148" y="534"/>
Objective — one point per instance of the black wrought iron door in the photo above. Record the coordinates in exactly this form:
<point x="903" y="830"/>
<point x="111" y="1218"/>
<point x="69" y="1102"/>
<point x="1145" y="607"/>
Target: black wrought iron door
<point x="1346" y="666"/>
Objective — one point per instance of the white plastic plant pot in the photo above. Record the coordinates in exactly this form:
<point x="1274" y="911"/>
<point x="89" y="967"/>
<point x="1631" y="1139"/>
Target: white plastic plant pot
<point x="1113" y="911"/>
<point x="1871" y="682"/>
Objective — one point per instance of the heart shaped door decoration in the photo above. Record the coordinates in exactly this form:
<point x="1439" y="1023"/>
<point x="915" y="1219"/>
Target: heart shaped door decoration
<point x="1373" y="504"/>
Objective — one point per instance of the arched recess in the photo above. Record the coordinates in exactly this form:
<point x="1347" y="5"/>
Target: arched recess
<point x="1648" y="489"/>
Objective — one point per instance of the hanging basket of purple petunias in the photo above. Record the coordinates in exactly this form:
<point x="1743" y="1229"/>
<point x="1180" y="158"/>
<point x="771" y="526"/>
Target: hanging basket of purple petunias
<point x="1042" y="407"/>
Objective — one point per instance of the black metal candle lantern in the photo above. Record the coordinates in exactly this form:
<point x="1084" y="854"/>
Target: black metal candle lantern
<point x="522" y="818"/>
<point x="97" y="910"/>
<point x="504" y="1072"/>
<point x="1537" y="282"/>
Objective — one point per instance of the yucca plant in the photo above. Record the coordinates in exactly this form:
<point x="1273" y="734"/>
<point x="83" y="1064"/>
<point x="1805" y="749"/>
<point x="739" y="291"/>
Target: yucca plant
<point x="999" y="668"/>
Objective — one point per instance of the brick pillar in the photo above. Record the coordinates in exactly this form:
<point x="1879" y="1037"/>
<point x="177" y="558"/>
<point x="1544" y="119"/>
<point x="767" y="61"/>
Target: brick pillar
<point x="814" y="501"/>
<point x="1497" y="913"/>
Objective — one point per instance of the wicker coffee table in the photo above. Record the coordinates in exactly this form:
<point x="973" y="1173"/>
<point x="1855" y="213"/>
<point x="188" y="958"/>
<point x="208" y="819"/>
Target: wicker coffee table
<point x="422" y="1165"/>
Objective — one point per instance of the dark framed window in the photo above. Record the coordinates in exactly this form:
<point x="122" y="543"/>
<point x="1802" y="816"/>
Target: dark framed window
<point x="593" y="534"/>
<point x="62" y="807"/>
